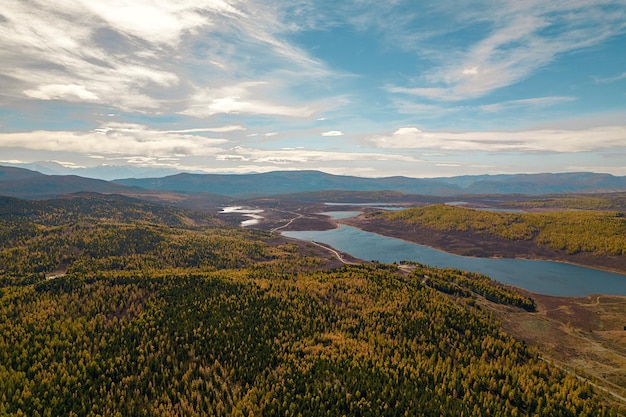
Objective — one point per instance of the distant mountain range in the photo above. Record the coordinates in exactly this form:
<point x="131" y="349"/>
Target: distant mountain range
<point x="27" y="184"/>
<point x="287" y="182"/>
<point x="23" y="183"/>
<point x="104" y="172"/>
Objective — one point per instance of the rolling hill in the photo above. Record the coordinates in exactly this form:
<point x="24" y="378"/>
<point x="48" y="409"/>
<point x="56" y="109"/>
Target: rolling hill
<point x="24" y="183"/>
<point x="118" y="307"/>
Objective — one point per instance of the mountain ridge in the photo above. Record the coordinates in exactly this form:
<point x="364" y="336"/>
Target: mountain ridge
<point x="24" y="183"/>
<point x="287" y="182"/>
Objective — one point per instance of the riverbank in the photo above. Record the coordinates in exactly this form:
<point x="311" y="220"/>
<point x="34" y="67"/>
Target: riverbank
<point x="480" y="245"/>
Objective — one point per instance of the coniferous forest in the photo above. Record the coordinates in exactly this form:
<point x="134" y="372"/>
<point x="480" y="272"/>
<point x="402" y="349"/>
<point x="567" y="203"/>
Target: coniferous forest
<point x="601" y="233"/>
<point x="111" y="306"/>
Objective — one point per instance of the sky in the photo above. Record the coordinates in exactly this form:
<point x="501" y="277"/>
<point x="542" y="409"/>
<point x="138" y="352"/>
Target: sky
<point x="121" y="88"/>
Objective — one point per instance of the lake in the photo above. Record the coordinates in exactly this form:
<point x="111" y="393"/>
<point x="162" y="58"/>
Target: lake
<point x="338" y="215"/>
<point x="380" y="206"/>
<point x="247" y="212"/>
<point x="543" y="277"/>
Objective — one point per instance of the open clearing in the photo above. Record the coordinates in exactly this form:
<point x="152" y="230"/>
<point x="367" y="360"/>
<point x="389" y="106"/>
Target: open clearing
<point x="585" y="335"/>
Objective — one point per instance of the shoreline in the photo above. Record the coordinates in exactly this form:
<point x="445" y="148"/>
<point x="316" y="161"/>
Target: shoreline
<point x="475" y="250"/>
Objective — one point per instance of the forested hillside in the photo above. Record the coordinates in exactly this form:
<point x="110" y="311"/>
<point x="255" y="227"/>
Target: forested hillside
<point x="154" y="311"/>
<point x="601" y="233"/>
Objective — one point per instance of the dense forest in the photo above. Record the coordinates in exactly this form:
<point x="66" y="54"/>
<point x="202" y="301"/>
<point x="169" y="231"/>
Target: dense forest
<point x="114" y="307"/>
<point x="598" y="232"/>
<point x="611" y="201"/>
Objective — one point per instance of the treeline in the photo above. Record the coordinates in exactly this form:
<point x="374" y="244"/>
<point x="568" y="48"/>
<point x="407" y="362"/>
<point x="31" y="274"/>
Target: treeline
<point x="155" y="320"/>
<point x="611" y="201"/>
<point x="466" y="284"/>
<point x="598" y="232"/>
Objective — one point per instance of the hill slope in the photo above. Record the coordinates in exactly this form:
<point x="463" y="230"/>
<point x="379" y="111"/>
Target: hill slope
<point x="26" y="184"/>
<point x="159" y="313"/>
<point x="23" y="183"/>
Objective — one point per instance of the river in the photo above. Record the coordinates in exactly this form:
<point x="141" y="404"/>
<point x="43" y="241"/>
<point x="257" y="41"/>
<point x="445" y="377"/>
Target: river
<point x="543" y="277"/>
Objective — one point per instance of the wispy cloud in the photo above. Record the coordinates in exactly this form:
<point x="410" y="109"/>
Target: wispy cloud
<point x="421" y="110"/>
<point x="217" y="129"/>
<point x="206" y="84"/>
<point x="567" y="141"/>
<point x="149" y="56"/>
<point x="536" y="102"/>
<point x="238" y="99"/>
<point x="608" y="80"/>
<point x="294" y="156"/>
<point x="519" y="39"/>
<point x="332" y="133"/>
<point x="69" y="92"/>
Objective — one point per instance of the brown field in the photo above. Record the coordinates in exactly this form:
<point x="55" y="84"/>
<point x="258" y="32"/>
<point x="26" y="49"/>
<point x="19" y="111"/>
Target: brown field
<point x="586" y="335"/>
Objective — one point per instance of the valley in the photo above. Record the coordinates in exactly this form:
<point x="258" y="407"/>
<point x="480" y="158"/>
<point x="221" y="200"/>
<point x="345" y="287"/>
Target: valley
<point x="202" y="302"/>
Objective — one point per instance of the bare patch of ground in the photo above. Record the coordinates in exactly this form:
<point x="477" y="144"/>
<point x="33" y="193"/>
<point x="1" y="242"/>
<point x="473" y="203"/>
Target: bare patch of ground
<point x="586" y="335"/>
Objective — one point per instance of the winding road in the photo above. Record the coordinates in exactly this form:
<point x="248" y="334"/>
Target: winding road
<point x="328" y="248"/>
<point x="334" y="252"/>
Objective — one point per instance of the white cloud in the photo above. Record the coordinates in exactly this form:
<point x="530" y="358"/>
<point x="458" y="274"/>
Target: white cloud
<point x="301" y="156"/>
<point x="332" y="133"/>
<point x="156" y="21"/>
<point x="67" y="164"/>
<point x="152" y="55"/>
<point x="470" y="71"/>
<point x="238" y="98"/>
<point x="234" y="105"/>
<point x="69" y="92"/>
<point x="230" y="157"/>
<point x="567" y="141"/>
<point x="116" y="139"/>
<point x="218" y="129"/>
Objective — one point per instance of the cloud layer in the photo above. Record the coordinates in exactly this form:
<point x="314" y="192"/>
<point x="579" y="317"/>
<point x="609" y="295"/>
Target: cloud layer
<point x="149" y="56"/>
<point x="116" y="139"/>
<point x="567" y="141"/>
<point x="250" y="85"/>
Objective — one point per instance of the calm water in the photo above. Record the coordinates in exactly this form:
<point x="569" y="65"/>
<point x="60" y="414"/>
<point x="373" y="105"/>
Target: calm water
<point x="338" y="215"/>
<point x="542" y="277"/>
<point x="246" y="212"/>
<point x="380" y="206"/>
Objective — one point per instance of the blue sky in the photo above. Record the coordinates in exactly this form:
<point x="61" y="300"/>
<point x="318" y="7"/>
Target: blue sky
<point x="367" y="88"/>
